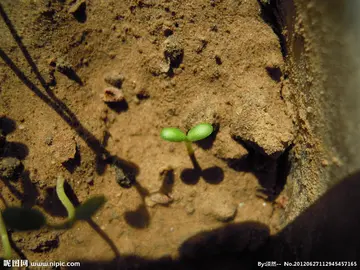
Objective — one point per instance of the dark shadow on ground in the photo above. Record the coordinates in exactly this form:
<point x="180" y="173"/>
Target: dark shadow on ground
<point x="271" y="172"/>
<point x="140" y="217"/>
<point x="327" y="231"/>
<point x="191" y="176"/>
<point x="7" y="125"/>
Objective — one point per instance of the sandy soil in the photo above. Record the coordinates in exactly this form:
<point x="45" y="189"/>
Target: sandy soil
<point x="171" y="63"/>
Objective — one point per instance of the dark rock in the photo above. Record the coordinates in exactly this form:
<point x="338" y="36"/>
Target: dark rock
<point x="10" y="168"/>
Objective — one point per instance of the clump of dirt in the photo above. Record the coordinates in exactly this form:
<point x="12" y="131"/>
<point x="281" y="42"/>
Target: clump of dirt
<point x="174" y="64"/>
<point x="10" y="168"/>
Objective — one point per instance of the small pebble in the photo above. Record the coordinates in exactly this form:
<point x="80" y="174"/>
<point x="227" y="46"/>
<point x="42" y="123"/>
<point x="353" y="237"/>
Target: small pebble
<point x="241" y="204"/>
<point x="10" y="168"/>
<point x="159" y="198"/>
<point x="189" y="209"/>
<point x="49" y="140"/>
<point x="264" y="204"/>
<point x="115" y="79"/>
<point x="324" y="163"/>
<point x="121" y="178"/>
<point x="90" y="180"/>
<point x="112" y="95"/>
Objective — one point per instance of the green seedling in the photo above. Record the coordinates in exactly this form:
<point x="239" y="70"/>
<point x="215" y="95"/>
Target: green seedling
<point x="24" y="219"/>
<point x="5" y="239"/>
<point x="197" y="133"/>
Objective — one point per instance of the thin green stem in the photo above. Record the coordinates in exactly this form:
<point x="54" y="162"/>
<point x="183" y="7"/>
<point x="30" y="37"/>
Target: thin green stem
<point x="5" y="239"/>
<point x="189" y="147"/>
<point x="64" y="199"/>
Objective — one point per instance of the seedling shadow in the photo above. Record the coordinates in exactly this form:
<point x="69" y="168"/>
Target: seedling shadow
<point x="270" y="172"/>
<point x="213" y="175"/>
<point x="15" y="149"/>
<point x="30" y="193"/>
<point x="139" y="218"/>
<point x="168" y="182"/>
<point x="105" y="237"/>
<point x="7" y="125"/>
<point x="100" y="162"/>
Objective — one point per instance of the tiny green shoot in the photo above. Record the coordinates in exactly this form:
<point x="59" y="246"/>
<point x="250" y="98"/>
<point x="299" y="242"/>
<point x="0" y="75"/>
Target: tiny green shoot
<point x="5" y="239"/>
<point x="24" y="219"/>
<point x="197" y="133"/>
<point x="64" y="199"/>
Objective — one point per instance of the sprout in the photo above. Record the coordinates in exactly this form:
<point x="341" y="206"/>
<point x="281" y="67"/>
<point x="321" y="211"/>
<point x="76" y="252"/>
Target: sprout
<point x="197" y="133"/>
<point x="24" y="219"/>
<point x="5" y="239"/>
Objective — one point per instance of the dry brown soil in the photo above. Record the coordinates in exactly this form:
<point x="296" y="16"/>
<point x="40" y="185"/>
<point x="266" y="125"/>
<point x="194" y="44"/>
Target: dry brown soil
<point x="180" y="63"/>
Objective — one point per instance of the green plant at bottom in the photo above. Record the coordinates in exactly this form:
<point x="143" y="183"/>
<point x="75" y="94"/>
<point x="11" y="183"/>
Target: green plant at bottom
<point x="5" y="239"/>
<point x="25" y="219"/>
<point x="197" y="133"/>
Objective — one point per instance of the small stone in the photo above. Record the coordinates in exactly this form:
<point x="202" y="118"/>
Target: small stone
<point x="189" y="208"/>
<point x="90" y="181"/>
<point x="336" y="161"/>
<point x="241" y="204"/>
<point x="49" y="140"/>
<point x="142" y="94"/>
<point x="85" y="61"/>
<point x="63" y="66"/>
<point x="202" y="45"/>
<point x="115" y="79"/>
<point x="63" y="147"/>
<point x="113" y="95"/>
<point x="220" y="207"/>
<point x="324" y="163"/>
<point x="173" y="51"/>
<point x="160" y="198"/>
<point x="10" y="168"/>
<point x="121" y="178"/>
<point x="114" y="216"/>
<point x="157" y="198"/>
<point x="282" y="201"/>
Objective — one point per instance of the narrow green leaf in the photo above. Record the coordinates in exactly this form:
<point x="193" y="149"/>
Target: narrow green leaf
<point x="23" y="219"/>
<point x="200" y="132"/>
<point x="173" y="135"/>
<point x="87" y="209"/>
